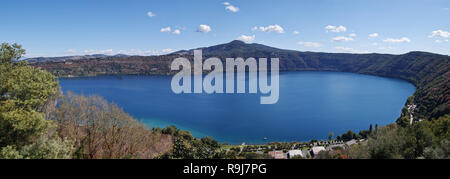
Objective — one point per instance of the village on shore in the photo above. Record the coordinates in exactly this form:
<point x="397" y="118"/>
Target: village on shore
<point x="294" y="150"/>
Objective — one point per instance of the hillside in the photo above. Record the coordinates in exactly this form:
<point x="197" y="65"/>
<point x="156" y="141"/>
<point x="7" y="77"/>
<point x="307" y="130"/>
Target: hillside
<point x="64" y="58"/>
<point x="429" y="72"/>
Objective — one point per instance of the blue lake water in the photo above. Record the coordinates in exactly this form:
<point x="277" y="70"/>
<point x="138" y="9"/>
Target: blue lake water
<point x="310" y="106"/>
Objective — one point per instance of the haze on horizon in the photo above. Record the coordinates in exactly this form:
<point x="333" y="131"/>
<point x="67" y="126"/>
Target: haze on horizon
<point x="153" y="27"/>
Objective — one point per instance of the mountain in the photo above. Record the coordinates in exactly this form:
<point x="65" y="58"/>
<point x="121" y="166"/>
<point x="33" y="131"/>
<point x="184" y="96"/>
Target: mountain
<point x="429" y="72"/>
<point x="233" y="48"/>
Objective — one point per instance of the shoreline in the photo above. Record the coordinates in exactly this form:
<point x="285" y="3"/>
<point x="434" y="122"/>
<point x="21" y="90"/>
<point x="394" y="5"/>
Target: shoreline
<point x="154" y="123"/>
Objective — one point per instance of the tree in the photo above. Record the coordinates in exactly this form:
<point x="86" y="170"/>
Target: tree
<point x="403" y="121"/>
<point x="10" y="53"/>
<point x="24" y="93"/>
<point x="100" y="130"/>
<point x="204" y="148"/>
<point x="46" y="147"/>
<point x="348" y="136"/>
<point x="188" y="147"/>
<point x="364" y="134"/>
<point x="207" y="148"/>
<point x="330" y="136"/>
<point x="427" y="139"/>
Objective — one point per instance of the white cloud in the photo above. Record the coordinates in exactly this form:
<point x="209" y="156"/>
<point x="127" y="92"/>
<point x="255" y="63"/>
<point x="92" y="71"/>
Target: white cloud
<point x="374" y="35"/>
<point x="177" y="32"/>
<point x="90" y="52"/>
<point x="230" y="7"/>
<point x="127" y="52"/>
<point x="107" y="52"/>
<point x="440" y="33"/>
<point x="352" y="35"/>
<point x="440" y="41"/>
<point x="104" y="52"/>
<point x="142" y="52"/>
<point x="342" y="39"/>
<point x="310" y="44"/>
<point x="151" y="14"/>
<point x="336" y="29"/>
<point x="296" y="32"/>
<point x="254" y="28"/>
<point x="330" y="27"/>
<point x="204" y="28"/>
<point x="138" y="52"/>
<point x="71" y="51"/>
<point x="271" y="28"/>
<point x="246" y="38"/>
<point x="400" y="40"/>
<point x="349" y="50"/>
<point x="167" y="29"/>
<point x="167" y="50"/>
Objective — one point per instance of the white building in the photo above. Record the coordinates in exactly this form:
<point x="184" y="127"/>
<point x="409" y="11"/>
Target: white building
<point x="317" y="150"/>
<point x="352" y="142"/>
<point x="277" y="154"/>
<point x="294" y="153"/>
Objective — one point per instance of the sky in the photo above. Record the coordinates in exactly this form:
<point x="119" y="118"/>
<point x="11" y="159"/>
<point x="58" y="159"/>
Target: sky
<point x="153" y="27"/>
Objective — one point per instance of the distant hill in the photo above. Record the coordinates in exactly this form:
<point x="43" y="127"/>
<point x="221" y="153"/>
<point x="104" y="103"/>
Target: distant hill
<point x="429" y="72"/>
<point x="58" y="59"/>
<point x="234" y="48"/>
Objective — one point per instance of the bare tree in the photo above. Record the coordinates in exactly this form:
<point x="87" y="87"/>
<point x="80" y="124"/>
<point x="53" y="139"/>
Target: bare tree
<point x="102" y="130"/>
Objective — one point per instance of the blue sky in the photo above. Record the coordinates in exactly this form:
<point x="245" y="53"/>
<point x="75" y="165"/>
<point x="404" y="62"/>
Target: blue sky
<point x="76" y="27"/>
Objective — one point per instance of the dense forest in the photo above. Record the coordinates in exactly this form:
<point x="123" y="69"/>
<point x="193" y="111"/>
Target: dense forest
<point x="38" y="122"/>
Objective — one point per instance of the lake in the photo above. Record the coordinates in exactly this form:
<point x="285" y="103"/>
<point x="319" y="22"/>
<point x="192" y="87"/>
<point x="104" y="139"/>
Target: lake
<point x="310" y="106"/>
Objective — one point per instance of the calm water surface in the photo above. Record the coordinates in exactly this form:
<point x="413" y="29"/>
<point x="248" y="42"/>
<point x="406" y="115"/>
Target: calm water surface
<point x="311" y="105"/>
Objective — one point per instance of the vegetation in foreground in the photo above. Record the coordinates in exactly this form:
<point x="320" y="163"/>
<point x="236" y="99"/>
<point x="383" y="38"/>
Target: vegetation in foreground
<point x="423" y="140"/>
<point x="38" y="122"/>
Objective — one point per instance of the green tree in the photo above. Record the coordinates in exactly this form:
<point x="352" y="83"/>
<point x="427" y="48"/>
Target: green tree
<point x="330" y="136"/>
<point x="427" y="139"/>
<point x="403" y="121"/>
<point x="348" y="136"/>
<point x="43" y="148"/>
<point x="10" y="53"/>
<point x="185" y="146"/>
<point x="24" y="93"/>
